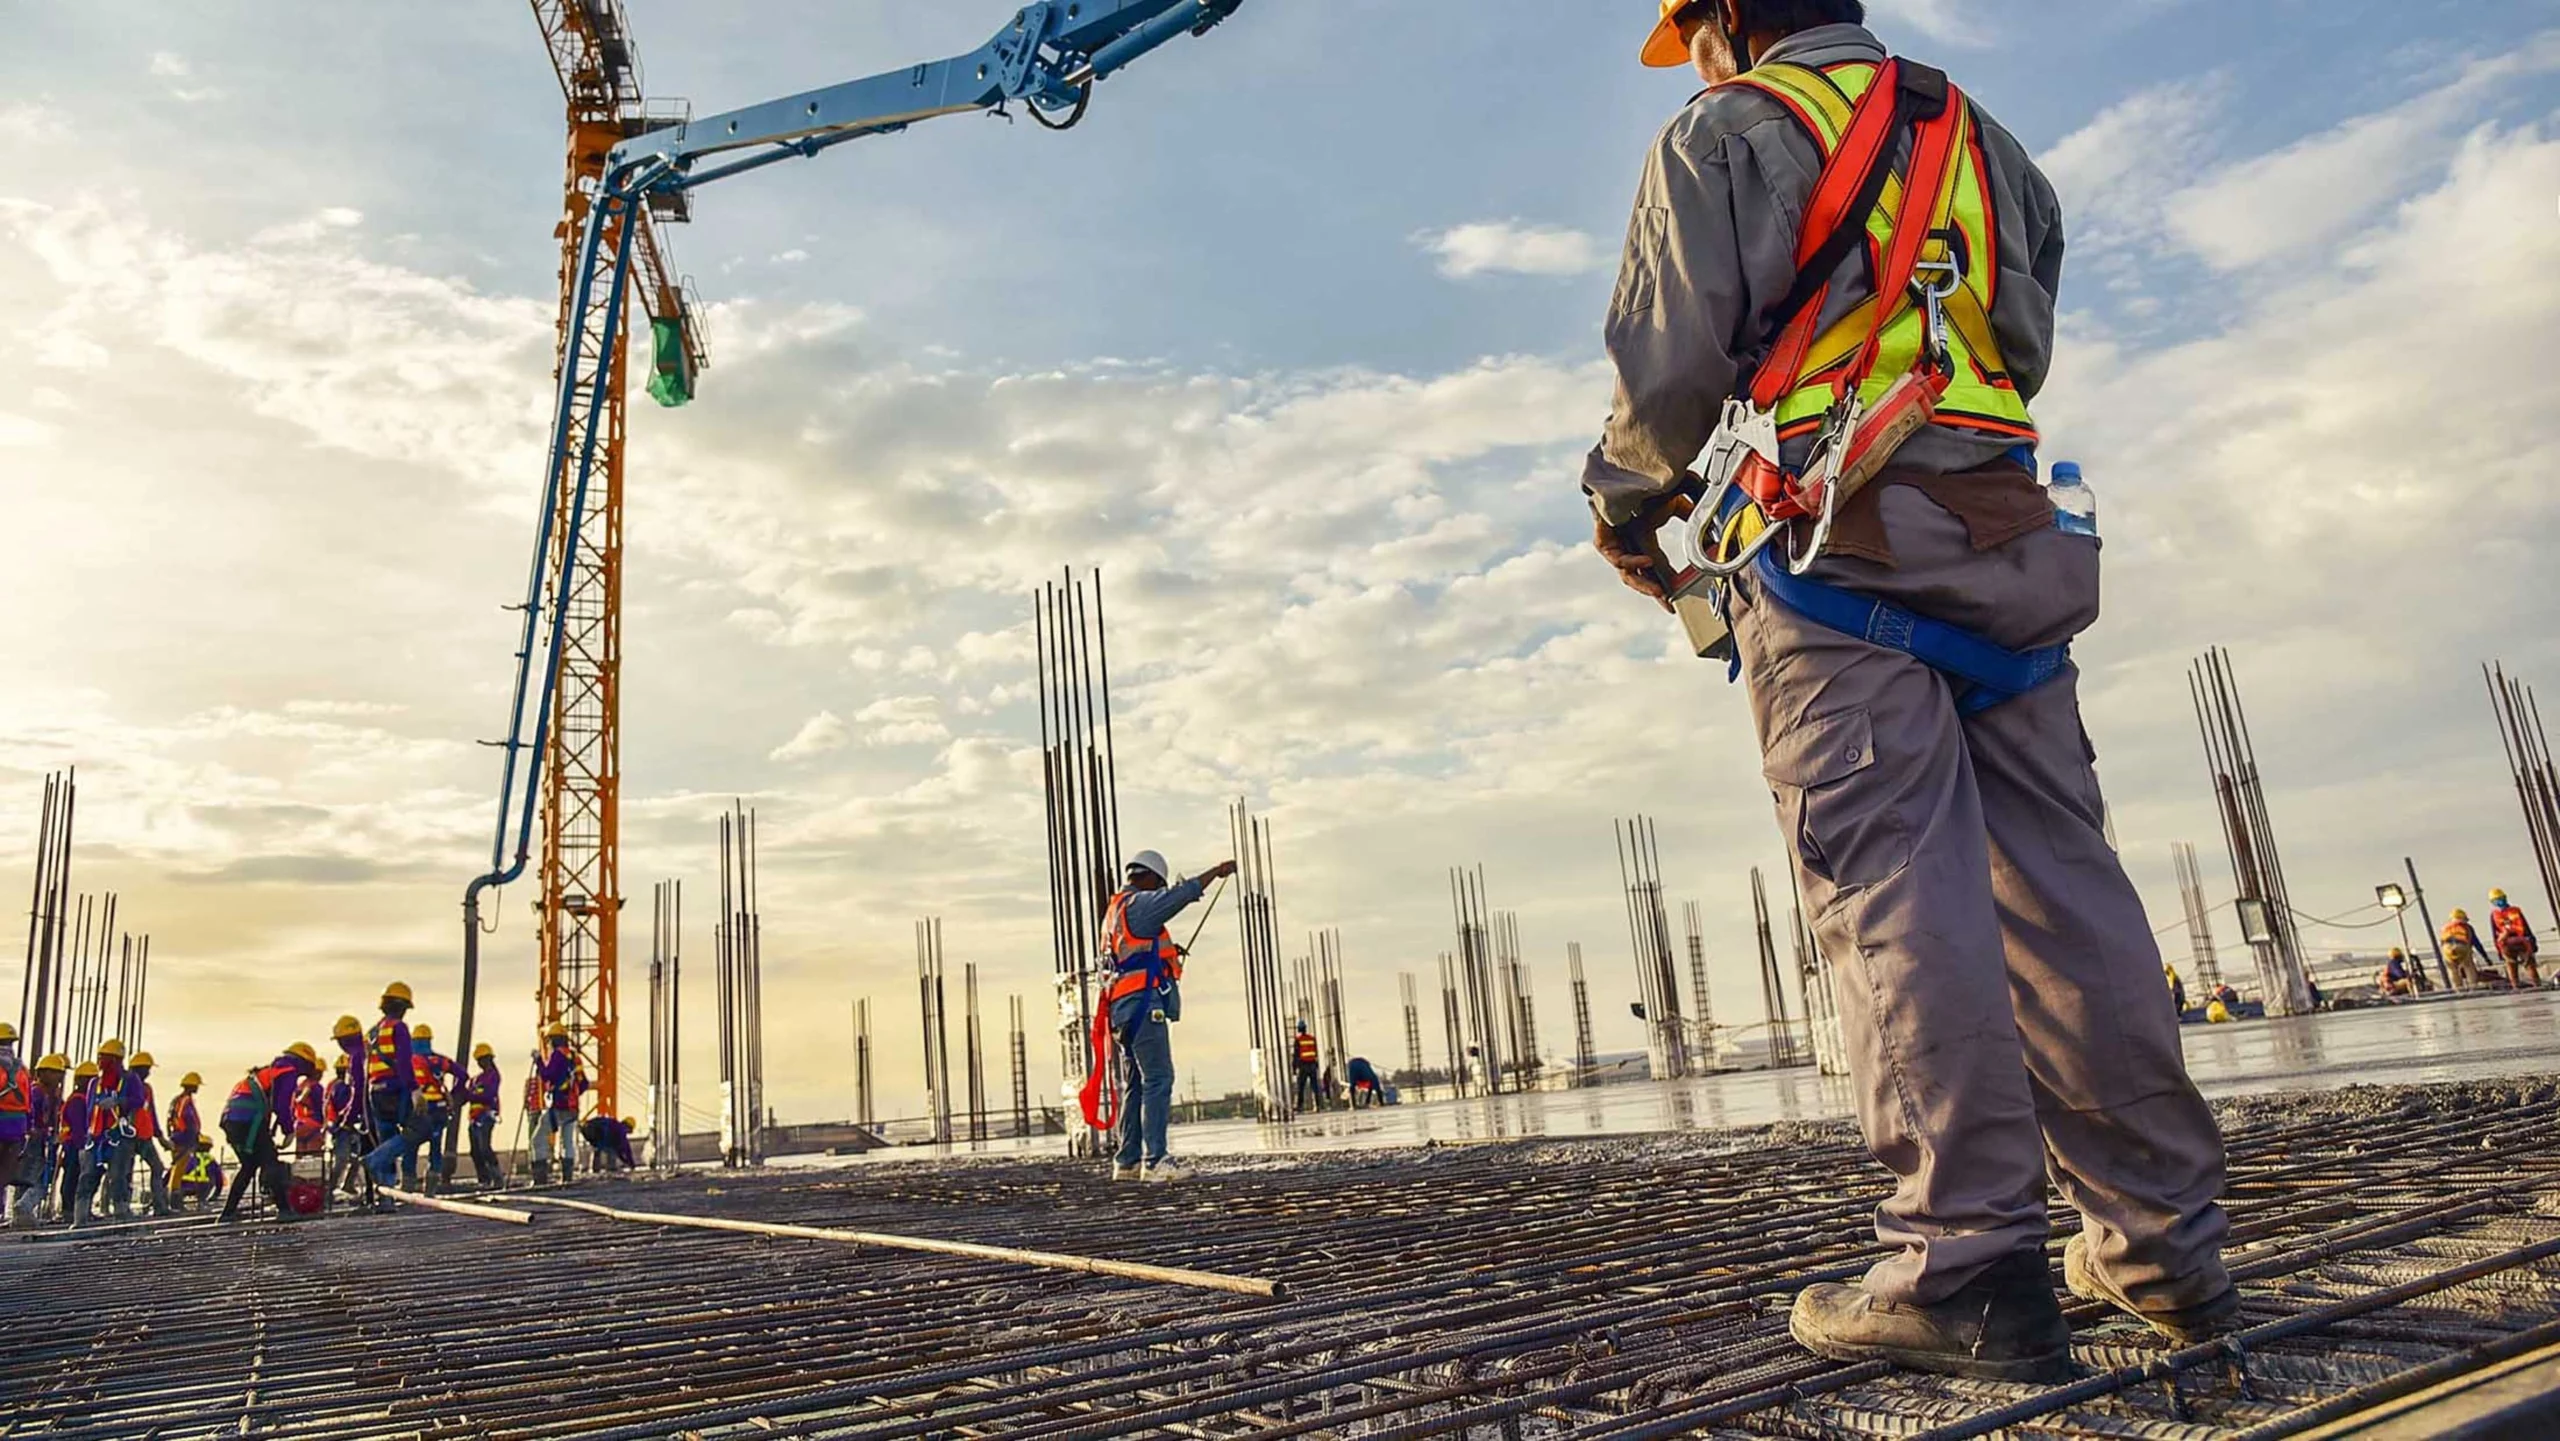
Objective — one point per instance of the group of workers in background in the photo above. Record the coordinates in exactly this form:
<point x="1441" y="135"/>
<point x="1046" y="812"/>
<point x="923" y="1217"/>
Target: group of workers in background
<point x="70" y="1137"/>
<point x="2468" y="961"/>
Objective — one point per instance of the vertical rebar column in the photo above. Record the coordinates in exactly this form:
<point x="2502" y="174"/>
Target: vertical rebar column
<point x="1584" y="1060"/>
<point x="759" y="1115"/>
<point x="1328" y="969"/>
<point x="1519" y="1008"/>
<point x="937" y="1033"/>
<point x="1476" y="974"/>
<point x="865" y="1109"/>
<point x="2201" y="957"/>
<point x="666" y="945"/>
<point x="2232" y="758"/>
<point x="1702" y="1057"/>
<point x="39" y="991"/>
<point x="2528" y="751"/>
<point x="1080" y="786"/>
<point x="1020" y="1050"/>
<point x="738" y="943"/>
<point x="1412" y="1036"/>
<point x="1783" y="1050"/>
<point x="1459" y="1077"/>
<point x="1649" y="934"/>
<point x="1822" y="1024"/>
<point x="141" y="989"/>
<point x="970" y="1037"/>
<point x="1258" y="944"/>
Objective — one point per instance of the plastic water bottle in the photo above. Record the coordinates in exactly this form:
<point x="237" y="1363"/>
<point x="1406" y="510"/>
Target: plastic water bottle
<point x="2075" y="505"/>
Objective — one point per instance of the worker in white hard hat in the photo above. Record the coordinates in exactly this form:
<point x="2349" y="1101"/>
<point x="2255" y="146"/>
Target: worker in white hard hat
<point x="1137" y="1012"/>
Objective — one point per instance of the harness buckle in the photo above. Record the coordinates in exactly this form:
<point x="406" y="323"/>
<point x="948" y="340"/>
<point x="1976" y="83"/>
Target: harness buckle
<point x="1745" y="432"/>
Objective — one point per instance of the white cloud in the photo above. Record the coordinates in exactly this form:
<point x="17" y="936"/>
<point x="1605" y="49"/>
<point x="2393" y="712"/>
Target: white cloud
<point x="818" y="735"/>
<point x="2115" y="173"/>
<point x="906" y="720"/>
<point x="168" y="65"/>
<point x="2310" y="193"/>
<point x="28" y="120"/>
<point x="1949" y="20"/>
<point x="1508" y="247"/>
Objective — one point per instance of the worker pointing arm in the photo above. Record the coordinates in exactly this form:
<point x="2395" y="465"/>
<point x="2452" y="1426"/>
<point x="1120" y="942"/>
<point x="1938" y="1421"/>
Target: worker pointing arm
<point x="1139" y="1007"/>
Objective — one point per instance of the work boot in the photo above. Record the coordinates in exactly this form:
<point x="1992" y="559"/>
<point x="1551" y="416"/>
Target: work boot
<point x="2186" y="1325"/>
<point x="1126" y="1170"/>
<point x="542" y="1173"/>
<point x="2005" y="1325"/>
<point x="1167" y="1169"/>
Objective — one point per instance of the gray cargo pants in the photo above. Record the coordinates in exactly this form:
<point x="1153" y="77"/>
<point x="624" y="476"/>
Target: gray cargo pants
<point x="1999" y="988"/>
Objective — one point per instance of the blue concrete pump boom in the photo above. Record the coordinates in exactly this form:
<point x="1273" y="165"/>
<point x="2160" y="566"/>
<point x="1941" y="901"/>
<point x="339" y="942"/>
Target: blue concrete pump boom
<point x="1049" y="58"/>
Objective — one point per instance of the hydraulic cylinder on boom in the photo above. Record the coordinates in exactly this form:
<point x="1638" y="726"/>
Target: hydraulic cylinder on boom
<point x="1048" y="59"/>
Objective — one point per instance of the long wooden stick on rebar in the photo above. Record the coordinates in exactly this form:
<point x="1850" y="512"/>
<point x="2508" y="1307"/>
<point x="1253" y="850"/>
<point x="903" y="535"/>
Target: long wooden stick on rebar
<point x="1051" y="1260"/>
<point x="461" y="1208"/>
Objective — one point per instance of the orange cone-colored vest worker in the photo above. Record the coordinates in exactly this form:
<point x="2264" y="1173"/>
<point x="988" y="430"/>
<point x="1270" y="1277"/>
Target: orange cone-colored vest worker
<point x="1145" y="959"/>
<point x="1306" y="1049"/>
<point x="2507" y="923"/>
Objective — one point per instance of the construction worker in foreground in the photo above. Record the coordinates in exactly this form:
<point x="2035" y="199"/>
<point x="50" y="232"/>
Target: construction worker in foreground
<point x="103" y="1120"/>
<point x="2516" y="943"/>
<point x="481" y="1108"/>
<point x="139" y="1138"/>
<point x="186" y="1123"/>
<point x="258" y="1111"/>
<point x="390" y="1081"/>
<point x="1305" y="1065"/>
<point x="431" y="1105"/>
<point x="17" y="1111"/>
<point x="2462" y="949"/>
<point x="553" y="1092"/>
<point x="1140" y="1007"/>
<point x="34" y="1175"/>
<point x="1934" y="781"/>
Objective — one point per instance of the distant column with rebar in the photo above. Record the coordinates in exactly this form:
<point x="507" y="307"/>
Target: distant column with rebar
<point x="739" y="943"/>
<point x="1330" y="1027"/>
<point x="1821" y="1003"/>
<point x="2528" y="749"/>
<point x="1021" y="1053"/>
<point x="1079" y="784"/>
<point x="40" y="1018"/>
<point x="1412" y="1077"/>
<point x="937" y="1031"/>
<point x="1258" y="943"/>
<point x="1584" y="1060"/>
<point x="1649" y="935"/>
<point x="866" y="1111"/>
<point x="1453" y="1028"/>
<point x="973" y="1040"/>
<point x="2206" y="965"/>
<point x="1785" y="1048"/>
<point x="1702" y="1009"/>
<point x="1520" y="1007"/>
<point x="666" y="962"/>
<point x="2239" y="793"/>
<point x="1476" y="974"/>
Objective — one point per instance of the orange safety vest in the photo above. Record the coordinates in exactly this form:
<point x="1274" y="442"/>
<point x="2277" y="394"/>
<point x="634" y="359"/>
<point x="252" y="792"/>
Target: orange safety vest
<point x="1141" y="963"/>
<point x="2508" y="923"/>
<point x="381" y="1048"/>
<point x="17" y="1088"/>
<point x="106" y="1107"/>
<point x="183" y="1120"/>
<point x="1306" y="1047"/>
<point x="428" y="1072"/>
<point x="146" y="1117"/>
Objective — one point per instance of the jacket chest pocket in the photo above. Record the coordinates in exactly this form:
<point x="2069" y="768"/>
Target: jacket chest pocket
<point x="1842" y="815"/>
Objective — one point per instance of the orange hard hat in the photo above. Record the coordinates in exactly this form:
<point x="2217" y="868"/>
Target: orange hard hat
<point x="1666" y="48"/>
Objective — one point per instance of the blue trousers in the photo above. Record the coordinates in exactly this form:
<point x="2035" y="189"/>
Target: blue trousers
<point x="391" y="1123"/>
<point x="1146" y="1105"/>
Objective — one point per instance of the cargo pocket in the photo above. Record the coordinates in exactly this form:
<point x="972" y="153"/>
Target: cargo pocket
<point x="1843" y="822"/>
<point x="1640" y="271"/>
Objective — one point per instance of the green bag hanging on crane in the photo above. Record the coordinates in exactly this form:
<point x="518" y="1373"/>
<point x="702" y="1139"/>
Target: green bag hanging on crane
<point x="671" y="368"/>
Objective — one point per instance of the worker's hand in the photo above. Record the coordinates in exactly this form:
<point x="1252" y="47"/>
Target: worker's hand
<point x="1220" y="871"/>
<point x="1633" y="550"/>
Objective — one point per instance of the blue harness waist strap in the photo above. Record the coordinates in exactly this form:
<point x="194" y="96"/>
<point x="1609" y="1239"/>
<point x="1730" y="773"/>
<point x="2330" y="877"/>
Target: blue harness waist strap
<point x="1987" y="674"/>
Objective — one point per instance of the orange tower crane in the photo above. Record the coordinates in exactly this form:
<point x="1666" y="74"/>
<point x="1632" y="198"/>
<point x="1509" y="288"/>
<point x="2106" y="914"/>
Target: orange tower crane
<point x="581" y="905"/>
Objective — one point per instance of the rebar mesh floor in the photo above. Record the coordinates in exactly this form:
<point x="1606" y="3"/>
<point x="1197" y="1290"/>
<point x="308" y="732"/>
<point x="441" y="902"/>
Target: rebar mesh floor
<point x="1621" y="1288"/>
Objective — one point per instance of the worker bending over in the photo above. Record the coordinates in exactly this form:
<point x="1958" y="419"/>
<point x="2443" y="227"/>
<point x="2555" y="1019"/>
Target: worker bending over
<point x="1307" y="1087"/>
<point x="1934" y="781"/>
<point x="1366" y="1082"/>
<point x="1143" y="1002"/>
<point x="258" y="1111"/>
<point x="2516" y="943"/>
<point x="481" y="1107"/>
<point x="608" y="1142"/>
<point x="552" y="1093"/>
<point x="2462" y="949"/>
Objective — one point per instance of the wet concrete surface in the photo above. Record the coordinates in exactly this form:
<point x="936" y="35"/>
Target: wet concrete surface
<point x="2479" y="1037"/>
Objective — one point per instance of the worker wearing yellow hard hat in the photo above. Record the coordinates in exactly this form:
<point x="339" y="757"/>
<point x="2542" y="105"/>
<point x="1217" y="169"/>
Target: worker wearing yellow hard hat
<point x="43" y="1143"/>
<point x="391" y="1085"/>
<point x="1754" y="345"/>
<point x="2517" y="945"/>
<point x="482" y="1105"/>
<point x="185" y="1127"/>
<point x="105" y="1116"/>
<point x="559" y="1087"/>
<point x="260" y="1109"/>
<point x="138" y="1139"/>
<point x="431" y="1102"/>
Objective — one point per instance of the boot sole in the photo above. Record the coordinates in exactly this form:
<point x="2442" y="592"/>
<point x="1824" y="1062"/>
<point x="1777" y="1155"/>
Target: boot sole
<point x="2053" y="1367"/>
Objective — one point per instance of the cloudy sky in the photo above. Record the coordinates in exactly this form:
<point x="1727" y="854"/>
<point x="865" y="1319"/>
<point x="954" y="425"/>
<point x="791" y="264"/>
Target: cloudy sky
<point x="1297" y="338"/>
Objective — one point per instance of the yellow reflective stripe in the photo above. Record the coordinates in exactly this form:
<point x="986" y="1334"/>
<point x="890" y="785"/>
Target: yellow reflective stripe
<point x="1812" y="95"/>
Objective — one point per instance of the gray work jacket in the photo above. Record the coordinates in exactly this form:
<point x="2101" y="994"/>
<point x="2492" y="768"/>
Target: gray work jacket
<point x="1712" y="249"/>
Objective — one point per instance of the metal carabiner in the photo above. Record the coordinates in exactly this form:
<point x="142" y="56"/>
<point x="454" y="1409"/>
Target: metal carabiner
<point x="1934" y="296"/>
<point x="1744" y="431"/>
<point x="1830" y="458"/>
